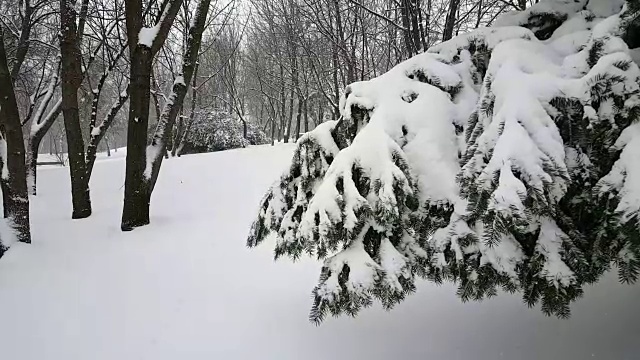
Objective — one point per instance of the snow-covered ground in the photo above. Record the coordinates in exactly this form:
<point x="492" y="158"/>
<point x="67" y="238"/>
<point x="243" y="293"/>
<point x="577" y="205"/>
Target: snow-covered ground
<point x="115" y="154"/>
<point x="186" y="287"/>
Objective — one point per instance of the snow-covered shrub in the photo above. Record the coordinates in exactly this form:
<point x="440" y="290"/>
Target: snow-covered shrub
<point x="216" y="131"/>
<point x="505" y="158"/>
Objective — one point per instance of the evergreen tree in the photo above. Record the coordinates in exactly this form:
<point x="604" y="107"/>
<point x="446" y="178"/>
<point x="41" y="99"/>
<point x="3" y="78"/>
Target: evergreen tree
<point x="505" y="158"/>
<point x="219" y="130"/>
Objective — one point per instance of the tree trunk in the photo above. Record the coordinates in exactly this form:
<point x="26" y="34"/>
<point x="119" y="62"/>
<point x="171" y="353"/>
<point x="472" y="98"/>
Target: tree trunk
<point x="298" y="119"/>
<point x="176" y="99"/>
<point x="98" y="132"/>
<point x="154" y="94"/>
<point x="23" y="41"/>
<point x="421" y="25"/>
<point x="192" y="112"/>
<point x="40" y="125"/>
<point x="175" y="140"/>
<point x="273" y="132"/>
<point x="137" y="193"/>
<point x="244" y="128"/>
<point x="136" y="202"/>
<point x="283" y="105"/>
<point x="336" y="86"/>
<point x="451" y="20"/>
<point x="71" y="73"/>
<point x="38" y="132"/>
<point x="416" y="34"/>
<point x="289" y="118"/>
<point x="13" y="173"/>
<point x="406" y="34"/>
<point x="31" y="164"/>
<point x="320" y="119"/>
<point x="343" y="44"/>
<point x="306" y="115"/>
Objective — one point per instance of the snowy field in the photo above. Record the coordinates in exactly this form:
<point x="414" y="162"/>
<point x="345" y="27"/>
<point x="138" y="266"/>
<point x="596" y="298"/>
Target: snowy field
<point x="186" y="287"/>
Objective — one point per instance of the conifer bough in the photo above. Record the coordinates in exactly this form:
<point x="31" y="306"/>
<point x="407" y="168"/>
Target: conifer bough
<point x="502" y="159"/>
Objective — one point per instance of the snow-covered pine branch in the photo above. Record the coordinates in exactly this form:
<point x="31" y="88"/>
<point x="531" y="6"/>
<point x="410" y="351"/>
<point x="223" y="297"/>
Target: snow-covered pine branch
<point x="501" y="159"/>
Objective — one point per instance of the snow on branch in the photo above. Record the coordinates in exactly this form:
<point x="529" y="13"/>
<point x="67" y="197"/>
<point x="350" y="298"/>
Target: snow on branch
<point x="148" y="35"/>
<point x="495" y="160"/>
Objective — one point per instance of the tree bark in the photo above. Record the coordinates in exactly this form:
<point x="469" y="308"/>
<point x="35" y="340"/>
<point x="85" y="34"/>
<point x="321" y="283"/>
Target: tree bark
<point x="451" y="20"/>
<point x="298" y="119"/>
<point x="98" y="132"/>
<point x="406" y="23"/>
<point x="306" y="114"/>
<point x="175" y="140"/>
<point x="136" y="204"/>
<point x="416" y="33"/>
<point x="23" y="42"/>
<point x="71" y="74"/>
<point x="13" y="172"/>
<point x="273" y="132"/>
<point x="140" y="176"/>
<point x="340" y="34"/>
<point x="283" y="105"/>
<point x="176" y="99"/>
<point x="320" y="118"/>
<point x="336" y="86"/>
<point x="192" y="112"/>
<point x="38" y="131"/>
<point x="287" y="135"/>
<point x="19" y="57"/>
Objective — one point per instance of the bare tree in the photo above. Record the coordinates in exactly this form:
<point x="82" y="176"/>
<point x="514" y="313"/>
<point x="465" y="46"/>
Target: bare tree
<point x="182" y="137"/>
<point x="172" y="106"/>
<point x="12" y="174"/>
<point x="144" y="44"/>
<point x="451" y="20"/>
<point x="71" y="74"/>
<point x="98" y="131"/>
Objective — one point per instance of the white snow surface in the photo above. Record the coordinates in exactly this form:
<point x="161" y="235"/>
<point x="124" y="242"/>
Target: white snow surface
<point x="147" y="35"/>
<point x="560" y="7"/>
<point x="4" y="172"/>
<point x="186" y="287"/>
<point x="7" y="234"/>
<point x="635" y="55"/>
<point x="116" y="154"/>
